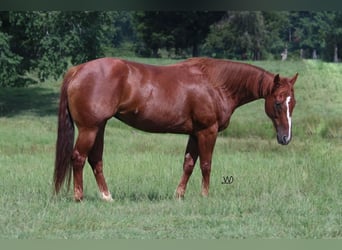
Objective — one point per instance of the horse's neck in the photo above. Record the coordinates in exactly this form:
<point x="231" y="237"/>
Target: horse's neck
<point x="254" y="89"/>
<point x="243" y="91"/>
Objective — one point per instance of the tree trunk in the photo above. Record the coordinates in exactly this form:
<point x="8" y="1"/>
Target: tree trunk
<point x="314" y="54"/>
<point x="284" y="54"/>
<point x="155" y="53"/>
<point x="195" y="49"/>
<point x="336" y="54"/>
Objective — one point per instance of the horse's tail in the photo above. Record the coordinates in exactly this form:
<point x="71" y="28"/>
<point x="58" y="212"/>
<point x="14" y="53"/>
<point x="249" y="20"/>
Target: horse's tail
<point x="65" y="138"/>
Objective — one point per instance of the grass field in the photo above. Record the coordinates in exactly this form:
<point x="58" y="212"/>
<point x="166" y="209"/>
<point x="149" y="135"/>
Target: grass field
<point x="292" y="191"/>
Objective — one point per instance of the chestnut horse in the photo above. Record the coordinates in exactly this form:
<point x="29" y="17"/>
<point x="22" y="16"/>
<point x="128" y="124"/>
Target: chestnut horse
<point x="195" y="97"/>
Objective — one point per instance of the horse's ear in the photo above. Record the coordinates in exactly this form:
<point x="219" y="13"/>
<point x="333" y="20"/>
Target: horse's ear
<point x="276" y="81"/>
<point x="294" y="79"/>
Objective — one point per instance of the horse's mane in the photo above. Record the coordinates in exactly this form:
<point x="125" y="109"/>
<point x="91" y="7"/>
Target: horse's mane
<point x="234" y="76"/>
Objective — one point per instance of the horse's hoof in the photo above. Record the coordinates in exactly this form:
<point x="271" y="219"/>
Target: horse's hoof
<point x="106" y="197"/>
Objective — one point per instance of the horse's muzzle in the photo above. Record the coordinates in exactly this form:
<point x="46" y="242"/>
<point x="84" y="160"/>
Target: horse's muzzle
<point x="283" y="139"/>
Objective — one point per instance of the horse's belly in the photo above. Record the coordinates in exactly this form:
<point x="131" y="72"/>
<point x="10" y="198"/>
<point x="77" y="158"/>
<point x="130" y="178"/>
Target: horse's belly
<point x="161" y="123"/>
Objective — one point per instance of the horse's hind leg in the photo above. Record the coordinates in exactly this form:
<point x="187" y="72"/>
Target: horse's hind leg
<point x="84" y="143"/>
<point x="95" y="161"/>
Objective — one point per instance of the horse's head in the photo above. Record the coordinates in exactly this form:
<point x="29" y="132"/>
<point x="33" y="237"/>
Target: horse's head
<point x="279" y="106"/>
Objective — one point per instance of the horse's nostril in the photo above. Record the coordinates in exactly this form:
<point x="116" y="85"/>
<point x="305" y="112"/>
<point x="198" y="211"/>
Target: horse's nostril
<point x="284" y="139"/>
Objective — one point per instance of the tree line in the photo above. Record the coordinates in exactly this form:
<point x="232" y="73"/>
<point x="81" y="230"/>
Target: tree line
<point x="45" y="43"/>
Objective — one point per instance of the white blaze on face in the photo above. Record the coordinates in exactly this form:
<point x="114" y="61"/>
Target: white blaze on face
<point x="287" y="102"/>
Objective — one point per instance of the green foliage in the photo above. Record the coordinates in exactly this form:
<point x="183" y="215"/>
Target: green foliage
<point x="178" y="30"/>
<point x="33" y="38"/>
<point x="276" y="28"/>
<point x="47" y="41"/>
<point x="308" y="31"/>
<point x="333" y="37"/>
<point x="83" y="34"/>
<point x="9" y="63"/>
<point x="241" y="35"/>
<point x="256" y="35"/>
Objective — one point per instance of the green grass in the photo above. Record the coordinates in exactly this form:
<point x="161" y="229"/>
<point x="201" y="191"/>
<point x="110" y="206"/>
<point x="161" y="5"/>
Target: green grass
<point x="278" y="191"/>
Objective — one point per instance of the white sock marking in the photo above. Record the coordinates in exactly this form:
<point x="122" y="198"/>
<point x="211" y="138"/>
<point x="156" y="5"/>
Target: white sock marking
<point x="106" y="197"/>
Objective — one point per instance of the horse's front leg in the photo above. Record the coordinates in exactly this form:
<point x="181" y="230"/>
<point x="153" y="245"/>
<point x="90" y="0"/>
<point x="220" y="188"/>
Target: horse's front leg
<point x="206" y="143"/>
<point x="190" y="158"/>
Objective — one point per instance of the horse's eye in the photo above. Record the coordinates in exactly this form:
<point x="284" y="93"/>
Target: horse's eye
<point x="277" y="106"/>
